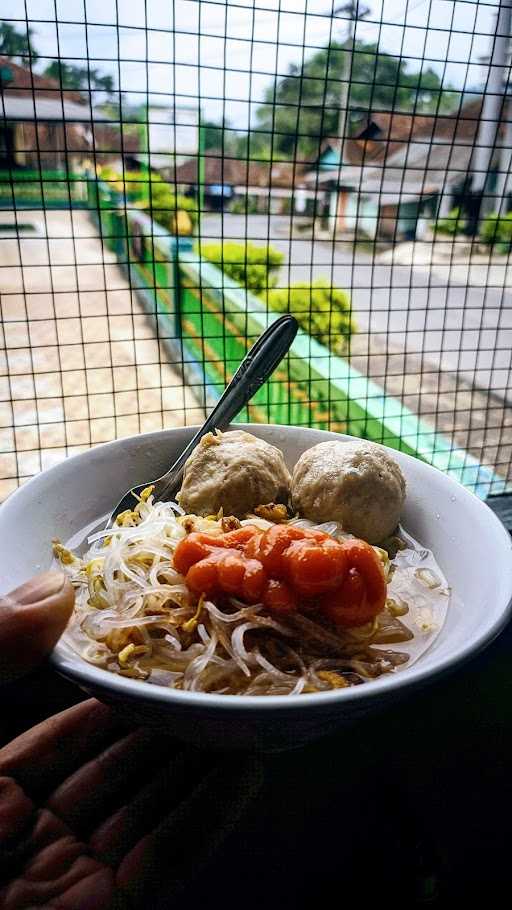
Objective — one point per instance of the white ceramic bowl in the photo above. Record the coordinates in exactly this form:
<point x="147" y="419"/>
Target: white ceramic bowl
<point x="470" y="544"/>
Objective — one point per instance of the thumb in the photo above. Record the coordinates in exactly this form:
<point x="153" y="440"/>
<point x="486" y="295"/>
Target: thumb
<point x="32" y="619"/>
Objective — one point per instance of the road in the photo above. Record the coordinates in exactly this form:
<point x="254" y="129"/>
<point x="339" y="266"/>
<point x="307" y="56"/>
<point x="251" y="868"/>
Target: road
<point x="425" y="311"/>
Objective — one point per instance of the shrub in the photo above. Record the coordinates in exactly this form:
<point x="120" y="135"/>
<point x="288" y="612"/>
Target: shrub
<point x="453" y="224"/>
<point x="133" y="184"/>
<point x="107" y="173"/>
<point x="176" y="213"/>
<point x="496" y="231"/>
<point x="322" y="311"/>
<point x="244" y="205"/>
<point x="254" y="267"/>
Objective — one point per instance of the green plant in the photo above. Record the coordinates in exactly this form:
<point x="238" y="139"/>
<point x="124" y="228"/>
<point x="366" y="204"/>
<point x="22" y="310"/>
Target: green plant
<point x="244" y="205"/>
<point x="322" y="311"/>
<point x="134" y="185"/>
<point x="176" y="213"/>
<point x="453" y="224"/>
<point x="254" y="267"/>
<point x="496" y="231"/>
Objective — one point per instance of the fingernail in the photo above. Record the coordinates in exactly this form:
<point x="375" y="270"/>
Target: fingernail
<point x="40" y="588"/>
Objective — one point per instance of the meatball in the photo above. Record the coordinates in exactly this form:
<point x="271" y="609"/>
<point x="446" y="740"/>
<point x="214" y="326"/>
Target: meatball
<point x="358" y="484"/>
<point x="234" y="471"/>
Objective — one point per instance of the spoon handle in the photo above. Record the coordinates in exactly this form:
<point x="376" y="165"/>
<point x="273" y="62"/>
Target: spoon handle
<point x="258" y="364"/>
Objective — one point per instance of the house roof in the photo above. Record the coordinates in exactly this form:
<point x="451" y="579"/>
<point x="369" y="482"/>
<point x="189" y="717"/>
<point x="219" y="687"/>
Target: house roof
<point x="36" y="107"/>
<point x="413" y="155"/>
<point x="110" y="137"/>
<point x="399" y="129"/>
<point x="28" y="97"/>
<point x="219" y="169"/>
<point x="419" y="169"/>
<point x="25" y="82"/>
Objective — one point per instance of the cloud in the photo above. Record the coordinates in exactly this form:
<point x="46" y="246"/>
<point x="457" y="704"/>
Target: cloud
<point x="223" y="55"/>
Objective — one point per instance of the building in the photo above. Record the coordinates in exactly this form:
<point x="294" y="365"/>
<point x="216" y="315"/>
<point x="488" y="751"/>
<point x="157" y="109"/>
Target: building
<point x="402" y="169"/>
<point x="156" y="136"/>
<point x="258" y="186"/>
<point x="170" y="135"/>
<point x="41" y="125"/>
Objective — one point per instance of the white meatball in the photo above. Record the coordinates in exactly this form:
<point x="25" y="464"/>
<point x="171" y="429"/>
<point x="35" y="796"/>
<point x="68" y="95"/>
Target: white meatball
<point x="234" y="471"/>
<point x="358" y="484"/>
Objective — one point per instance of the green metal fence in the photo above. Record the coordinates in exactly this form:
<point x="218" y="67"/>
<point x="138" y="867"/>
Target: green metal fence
<point x="31" y="189"/>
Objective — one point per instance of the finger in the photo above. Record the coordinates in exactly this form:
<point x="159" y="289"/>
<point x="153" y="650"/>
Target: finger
<point x="15" y="809"/>
<point x="61" y="877"/>
<point x="100" y="785"/>
<point x="32" y="619"/>
<point x="168" y="858"/>
<point x="41" y="757"/>
<point x="161" y="794"/>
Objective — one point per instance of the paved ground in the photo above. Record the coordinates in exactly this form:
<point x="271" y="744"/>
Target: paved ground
<point x="473" y="420"/>
<point x="461" y="259"/>
<point x="457" y="318"/>
<point x="79" y="359"/>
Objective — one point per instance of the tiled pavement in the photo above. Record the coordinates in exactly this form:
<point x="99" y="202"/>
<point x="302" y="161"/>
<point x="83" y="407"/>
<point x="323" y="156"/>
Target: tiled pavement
<point x="80" y="362"/>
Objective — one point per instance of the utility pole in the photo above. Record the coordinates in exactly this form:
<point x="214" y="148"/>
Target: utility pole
<point x="492" y="110"/>
<point x="504" y="179"/>
<point x="354" y="11"/>
<point x="200" y="175"/>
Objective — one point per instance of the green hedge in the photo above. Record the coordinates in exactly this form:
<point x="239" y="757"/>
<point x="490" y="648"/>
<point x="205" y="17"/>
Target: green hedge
<point x="244" y="205"/>
<point x="254" y="267"/>
<point x="321" y="310"/>
<point x="176" y="213"/>
<point x="453" y="224"/>
<point x="169" y="208"/>
<point x="496" y="231"/>
<point x="41" y="187"/>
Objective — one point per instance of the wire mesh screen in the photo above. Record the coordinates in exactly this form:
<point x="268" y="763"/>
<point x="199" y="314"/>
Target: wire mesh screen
<point x="174" y="174"/>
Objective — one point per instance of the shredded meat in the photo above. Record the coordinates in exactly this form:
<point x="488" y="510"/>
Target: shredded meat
<point x="189" y="523"/>
<point x="272" y="511"/>
<point x="210" y="439"/>
<point x="230" y="523"/>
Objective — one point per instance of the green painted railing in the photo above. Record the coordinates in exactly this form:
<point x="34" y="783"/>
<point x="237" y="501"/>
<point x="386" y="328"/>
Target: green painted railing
<point x="43" y="189"/>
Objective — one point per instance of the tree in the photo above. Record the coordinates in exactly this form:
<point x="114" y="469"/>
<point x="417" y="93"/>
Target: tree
<point x="14" y="44"/>
<point x="79" y="77"/>
<point x="219" y="136"/>
<point x="302" y="109"/>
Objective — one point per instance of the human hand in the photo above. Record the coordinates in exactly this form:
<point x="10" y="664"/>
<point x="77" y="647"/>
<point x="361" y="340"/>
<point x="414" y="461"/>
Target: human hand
<point x="32" y="619"/>
<point x="93" y="816"/>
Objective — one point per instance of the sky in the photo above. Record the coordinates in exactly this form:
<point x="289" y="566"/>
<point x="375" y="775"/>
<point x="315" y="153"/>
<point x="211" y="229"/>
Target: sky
<point x="223" y="54"/>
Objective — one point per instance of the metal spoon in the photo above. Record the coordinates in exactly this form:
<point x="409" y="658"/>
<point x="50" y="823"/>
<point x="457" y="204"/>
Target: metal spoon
<point x="256" y="367"/>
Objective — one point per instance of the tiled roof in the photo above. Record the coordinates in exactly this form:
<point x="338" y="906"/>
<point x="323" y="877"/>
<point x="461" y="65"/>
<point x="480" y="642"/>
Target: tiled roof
<point x="236" y="172"/>
<point x="26" y="82"/>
